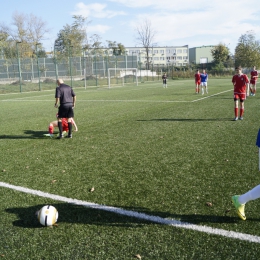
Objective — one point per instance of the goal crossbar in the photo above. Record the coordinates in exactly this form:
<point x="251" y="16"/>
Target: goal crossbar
<point x="123" y="73"/>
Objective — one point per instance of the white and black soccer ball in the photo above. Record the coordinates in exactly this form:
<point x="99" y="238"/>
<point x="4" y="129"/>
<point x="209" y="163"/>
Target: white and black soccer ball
<point x="47" y="215"/>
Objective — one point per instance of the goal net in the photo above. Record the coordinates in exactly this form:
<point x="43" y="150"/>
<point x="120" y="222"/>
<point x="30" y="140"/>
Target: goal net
<point x="120" y="75"/>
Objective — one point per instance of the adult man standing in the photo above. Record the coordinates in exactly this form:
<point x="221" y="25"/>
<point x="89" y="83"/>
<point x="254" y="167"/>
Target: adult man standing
<point x="66" y="97"/>
<point x="253" y="79"/>
<point x="241" y="89"/>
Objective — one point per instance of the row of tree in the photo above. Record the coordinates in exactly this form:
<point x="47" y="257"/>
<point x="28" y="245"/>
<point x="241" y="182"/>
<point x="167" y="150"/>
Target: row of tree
<point x="247" y="53"/>
<point x="28" y="31"/>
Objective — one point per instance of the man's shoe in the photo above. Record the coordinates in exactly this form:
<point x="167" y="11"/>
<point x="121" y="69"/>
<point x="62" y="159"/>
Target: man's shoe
<point x="69" y="136"/>
<point x="241" y="118"/>
<point x="236" y="118"/>
<point x="240" y="208"/>
<point x="59" y="137"/>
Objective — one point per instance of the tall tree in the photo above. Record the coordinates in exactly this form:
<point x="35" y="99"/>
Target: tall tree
<point x="220" y="53"/>
<point x="247" y="52"/>
<point x="27" y="29"/>
<point x="72" y="36"/>
<point x="145" y="37"/>
<point x="117" y="48"/>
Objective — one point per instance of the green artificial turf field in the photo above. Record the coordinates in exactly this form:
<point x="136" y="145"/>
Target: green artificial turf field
<point x="162" y="152"/>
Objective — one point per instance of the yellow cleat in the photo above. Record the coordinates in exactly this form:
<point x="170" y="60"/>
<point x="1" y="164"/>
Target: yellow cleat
<point x="240" y="208"/>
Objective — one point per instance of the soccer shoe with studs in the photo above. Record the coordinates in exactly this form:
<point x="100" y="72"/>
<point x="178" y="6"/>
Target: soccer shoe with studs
<point x="240" y="208"/>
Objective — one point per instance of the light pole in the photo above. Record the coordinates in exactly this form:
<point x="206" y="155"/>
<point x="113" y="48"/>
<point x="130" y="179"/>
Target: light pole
<point x="70" y="47"/>
<point x="36" y="49"/>
<point x="55" y="61"/>
<point x="19" y="65"/>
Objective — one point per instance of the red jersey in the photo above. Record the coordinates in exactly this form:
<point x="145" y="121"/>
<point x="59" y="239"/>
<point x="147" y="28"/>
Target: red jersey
<point x="197" y="77"/>
<point x="65" y="126"/>
<point x="240" y="82"/>
<point x="254" y="74"/>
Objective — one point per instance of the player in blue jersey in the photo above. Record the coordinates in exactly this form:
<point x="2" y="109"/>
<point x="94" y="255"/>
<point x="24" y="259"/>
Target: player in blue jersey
<point x="203" y="82"/>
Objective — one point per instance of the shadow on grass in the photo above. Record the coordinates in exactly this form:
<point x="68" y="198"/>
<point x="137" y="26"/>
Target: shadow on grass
<point x="187" y="119"/>
<point x="29" y="134"/>
<point x="69" y="213"/>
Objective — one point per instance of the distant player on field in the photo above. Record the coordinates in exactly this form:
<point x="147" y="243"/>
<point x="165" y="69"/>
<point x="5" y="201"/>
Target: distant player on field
<point x="241" y="89"/>
<point x="197" y="81"/>
<point x="203" y="82"/>
<point x="164" y="78"/>
<point x="253" y="79"/>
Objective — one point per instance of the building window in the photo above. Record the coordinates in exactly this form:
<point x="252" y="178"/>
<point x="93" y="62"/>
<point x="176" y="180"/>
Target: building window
<point x="179" y="57"/>
<point x="179" y="51"/>
<point x="161" y="51"/>
<point x="161" y="58"/>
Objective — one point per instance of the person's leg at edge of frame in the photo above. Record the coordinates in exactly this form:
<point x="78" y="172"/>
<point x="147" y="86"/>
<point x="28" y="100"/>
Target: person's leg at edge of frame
<point x="241" y="109"/>
<point x="236" y="110"/>
<point x="239" y="201"/>
<point x="251" y="90"/>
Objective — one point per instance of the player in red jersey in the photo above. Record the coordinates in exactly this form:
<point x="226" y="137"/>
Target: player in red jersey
<point x="241" y="89"/>
<point x="197" y="82"/>
<point x="65" y="126"/>
<point x="253" y="79"/>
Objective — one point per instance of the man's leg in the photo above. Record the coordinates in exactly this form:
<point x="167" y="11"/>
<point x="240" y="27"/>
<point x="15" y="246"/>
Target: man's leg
<point x="60" y="127"/>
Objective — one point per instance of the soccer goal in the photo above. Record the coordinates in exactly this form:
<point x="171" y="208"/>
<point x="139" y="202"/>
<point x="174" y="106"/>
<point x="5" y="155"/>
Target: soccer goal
<point x="122" y="74"/>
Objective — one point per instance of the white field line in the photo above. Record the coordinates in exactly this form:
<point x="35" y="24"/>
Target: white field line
<point x="129" y="213"/>
<point x="118" y="100"/>
<point x="204" y="97"/>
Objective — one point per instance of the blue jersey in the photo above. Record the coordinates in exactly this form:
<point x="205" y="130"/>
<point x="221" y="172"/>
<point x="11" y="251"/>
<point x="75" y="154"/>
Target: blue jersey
<point x="203" y="77"/>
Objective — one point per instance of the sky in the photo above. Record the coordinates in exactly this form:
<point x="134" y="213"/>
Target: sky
<point x="175" y="23"/>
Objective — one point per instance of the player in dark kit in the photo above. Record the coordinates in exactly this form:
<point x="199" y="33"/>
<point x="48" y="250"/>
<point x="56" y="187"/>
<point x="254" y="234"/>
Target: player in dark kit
<point x="164" y="78"/>
<point x="66" y="97"/>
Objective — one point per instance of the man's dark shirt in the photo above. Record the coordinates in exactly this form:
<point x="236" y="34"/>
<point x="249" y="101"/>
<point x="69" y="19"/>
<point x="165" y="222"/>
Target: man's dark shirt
<point x="65" y="93"/>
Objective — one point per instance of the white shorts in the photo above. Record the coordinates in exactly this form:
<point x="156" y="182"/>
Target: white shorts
<point x="203" y="84"/>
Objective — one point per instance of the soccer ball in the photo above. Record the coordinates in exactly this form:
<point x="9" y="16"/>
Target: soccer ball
<point x="47" y="215"/>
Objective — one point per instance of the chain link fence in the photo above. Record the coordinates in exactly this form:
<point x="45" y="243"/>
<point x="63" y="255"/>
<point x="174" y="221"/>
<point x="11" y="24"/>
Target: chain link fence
<point x="37" y="74"/>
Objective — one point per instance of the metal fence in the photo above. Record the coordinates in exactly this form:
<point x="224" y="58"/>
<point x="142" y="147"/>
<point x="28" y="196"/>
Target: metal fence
<point x="32" y="74"/>
<point x="36" y="74"/>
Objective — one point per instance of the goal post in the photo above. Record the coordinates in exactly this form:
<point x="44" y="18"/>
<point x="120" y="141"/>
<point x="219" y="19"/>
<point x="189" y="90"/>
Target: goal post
<point x="122" y="73"/>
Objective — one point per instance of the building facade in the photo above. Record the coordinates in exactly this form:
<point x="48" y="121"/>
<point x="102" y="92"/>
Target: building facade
<point x="174" y="55"/>
<point x="201" y="55"/>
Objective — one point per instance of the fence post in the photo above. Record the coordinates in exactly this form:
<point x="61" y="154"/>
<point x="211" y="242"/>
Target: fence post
<point x="70" y="47"/>
<point x="36" y="49"/>
<point x="19" y="65"/>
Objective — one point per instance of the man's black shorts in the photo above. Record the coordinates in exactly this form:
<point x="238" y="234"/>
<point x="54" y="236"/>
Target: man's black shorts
<point x="66" y="111"/>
